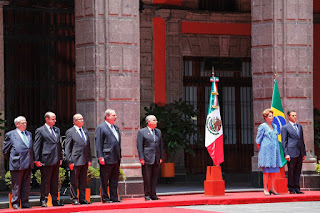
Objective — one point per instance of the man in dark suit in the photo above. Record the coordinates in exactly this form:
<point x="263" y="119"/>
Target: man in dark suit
<point x="149" y="144"/>
<point x="48" y="156"/>
<point x="78" y="154"/>
<point x="294" y="151"/>
<point x="108" y="145"/>
<point x="17" y="149"/>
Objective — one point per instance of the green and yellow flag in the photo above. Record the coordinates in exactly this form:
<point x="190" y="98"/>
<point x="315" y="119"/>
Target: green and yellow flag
<point x="279" y="118"/>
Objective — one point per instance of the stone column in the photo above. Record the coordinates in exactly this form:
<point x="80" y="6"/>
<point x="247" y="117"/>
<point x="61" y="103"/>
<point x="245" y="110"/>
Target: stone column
<point x="108" y="74"/>
<point x="2" y="95"/>
<point x="282" y="43"/>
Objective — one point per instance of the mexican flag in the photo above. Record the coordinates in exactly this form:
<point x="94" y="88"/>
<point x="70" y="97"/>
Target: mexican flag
<point x="214" y="133"/>
<point x="278" y="117"/>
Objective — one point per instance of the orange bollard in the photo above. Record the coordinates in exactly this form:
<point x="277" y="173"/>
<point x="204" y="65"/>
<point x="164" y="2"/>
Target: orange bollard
<point x="87" y="195"/>
<point x="214" y="184"/>
<point x="49" y="201"/>
<point x="281" y="182"/>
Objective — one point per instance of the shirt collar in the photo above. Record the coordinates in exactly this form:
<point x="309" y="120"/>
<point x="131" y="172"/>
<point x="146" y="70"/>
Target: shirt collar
<point x="149" y="129"/>
<point x="292" y="123"/>
<point x="18" y="130"/>
<point x="109" y="125"/>
<point x="76" y="127"/>
<point x="47" y="126"/>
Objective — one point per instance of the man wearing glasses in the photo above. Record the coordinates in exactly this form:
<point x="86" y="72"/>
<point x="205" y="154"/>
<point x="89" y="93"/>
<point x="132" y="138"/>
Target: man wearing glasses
<point x="78" y="154"/>
<point x="17" y="149"/>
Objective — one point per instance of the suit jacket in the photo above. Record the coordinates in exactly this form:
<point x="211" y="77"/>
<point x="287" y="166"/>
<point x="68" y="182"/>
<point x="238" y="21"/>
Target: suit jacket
<point x="77" y="151"/>
<point x="107" y="145"/>
<point x="148" y="149"/>
<point x="20" y="156"/>
<point x="292" y="142"/>
<point x="47" y="148"/>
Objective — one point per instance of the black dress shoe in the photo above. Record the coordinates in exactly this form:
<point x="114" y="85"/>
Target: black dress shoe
<point x="75" y="202"/>
<point x="25" y="207"/>
<point x="43" y="203"/>
<point x="292" y="192"/>
<point x="155" y="198"/>
<point x="57" y="203"/>
<point x="147" y="198"/>
<point x="106" y="201"/>
<point x="116" y="201"/>
<point x="299" y="192"/>
<point x="273" y="192"/>
<point x="15" y="206"/>
<point x="84" y="202"/>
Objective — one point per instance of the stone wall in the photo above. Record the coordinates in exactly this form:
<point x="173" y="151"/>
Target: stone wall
<point x="179" y="45"/>
<point x="282" y="43"/>
<point x="108" y="73"/>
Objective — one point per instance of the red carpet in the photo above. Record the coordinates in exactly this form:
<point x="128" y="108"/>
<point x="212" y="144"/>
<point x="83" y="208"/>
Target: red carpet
<point x="179" y="200"/>
<point x="154" y="210"/>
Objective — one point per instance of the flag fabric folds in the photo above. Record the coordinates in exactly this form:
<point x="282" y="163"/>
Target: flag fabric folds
<point x="278" y="117"/>
<point x="214" y="133"/>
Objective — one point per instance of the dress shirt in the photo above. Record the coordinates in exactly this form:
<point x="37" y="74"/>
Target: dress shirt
<point x="50" y="130"/>
<point x="84" y="135"/>
<point x="113" y="130"/>
<point x="20" y="133"/>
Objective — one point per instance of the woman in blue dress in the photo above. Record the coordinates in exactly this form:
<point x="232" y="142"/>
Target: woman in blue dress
<point x="269" y="152"/>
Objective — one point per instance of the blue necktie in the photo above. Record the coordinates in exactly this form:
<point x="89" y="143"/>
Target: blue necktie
<point x="52" y="132"/>
<point x="83" y="138"/>
<point x="25" y="140"/>
<point x="296" y="128"/>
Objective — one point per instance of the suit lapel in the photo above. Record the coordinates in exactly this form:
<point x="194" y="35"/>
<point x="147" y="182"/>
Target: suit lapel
<point x="17" y="137"/>
<point x="87" y="135"/>
<point x="293" y="129"/>
<point x="48" y="132"/>
<point x="149" y="134"/>
<point x="109" y="130"/>
<point x="156" y="134"/>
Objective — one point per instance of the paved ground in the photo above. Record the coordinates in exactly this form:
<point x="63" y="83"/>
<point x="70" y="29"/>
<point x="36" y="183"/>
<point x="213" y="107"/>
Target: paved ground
<point x="291" y="207"/>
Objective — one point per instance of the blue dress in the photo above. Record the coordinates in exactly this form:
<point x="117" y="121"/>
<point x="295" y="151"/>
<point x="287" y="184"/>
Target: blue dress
<point x="269" y="153"/>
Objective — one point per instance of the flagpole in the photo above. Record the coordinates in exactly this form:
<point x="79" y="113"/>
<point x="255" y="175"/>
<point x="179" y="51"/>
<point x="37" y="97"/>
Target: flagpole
<point x="214" y="184"/>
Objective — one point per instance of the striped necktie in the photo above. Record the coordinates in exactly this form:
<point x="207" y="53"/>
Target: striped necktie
<point x="25" y="140"/>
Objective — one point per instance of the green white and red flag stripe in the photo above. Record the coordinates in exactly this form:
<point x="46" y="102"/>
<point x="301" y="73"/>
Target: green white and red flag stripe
<point x="214" y="132"/>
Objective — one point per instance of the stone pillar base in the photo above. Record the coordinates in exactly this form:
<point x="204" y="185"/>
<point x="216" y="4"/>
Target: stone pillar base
<point x="310" y="181"/>
<point x="132" y="187"/>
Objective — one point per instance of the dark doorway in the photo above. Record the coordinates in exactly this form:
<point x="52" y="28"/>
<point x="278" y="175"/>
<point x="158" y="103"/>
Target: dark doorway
<point x="235" y="99"/>
<point x="39" y="50"/>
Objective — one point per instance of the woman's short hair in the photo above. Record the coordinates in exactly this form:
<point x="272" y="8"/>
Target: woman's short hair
<point x="266" y="112"/>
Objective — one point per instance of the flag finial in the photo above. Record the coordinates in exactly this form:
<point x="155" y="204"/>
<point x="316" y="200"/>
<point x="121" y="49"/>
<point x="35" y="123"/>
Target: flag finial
<point x="275" y="76"/>
<point x="212" y="71"/>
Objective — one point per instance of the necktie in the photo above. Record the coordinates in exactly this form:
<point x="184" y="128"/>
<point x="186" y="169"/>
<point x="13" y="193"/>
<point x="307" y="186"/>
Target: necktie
<point x="115" y="132"/>
<point x="296" y="128"/>
<point x="25" y="140"/>
<point x="52" y="132"/>
<point x="154" y="135"/>
<point x="83" y="138"/>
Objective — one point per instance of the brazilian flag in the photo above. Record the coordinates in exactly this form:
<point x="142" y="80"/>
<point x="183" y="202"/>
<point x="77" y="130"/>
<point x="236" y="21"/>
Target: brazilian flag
<point x="279" y="118"/>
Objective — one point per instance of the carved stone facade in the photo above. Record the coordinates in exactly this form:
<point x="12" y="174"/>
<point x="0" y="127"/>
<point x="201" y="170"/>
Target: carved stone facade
<point x="108" y="73"/>
<point x="282" y="43"/>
